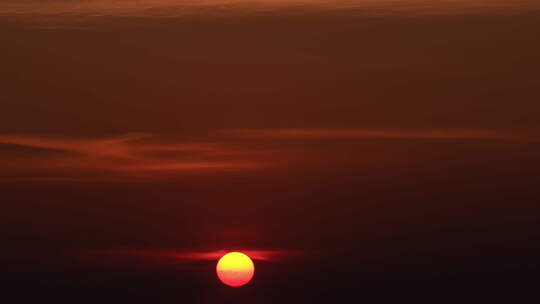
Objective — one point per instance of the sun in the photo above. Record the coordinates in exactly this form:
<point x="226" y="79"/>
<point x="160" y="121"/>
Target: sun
<point x="235" y="269"/>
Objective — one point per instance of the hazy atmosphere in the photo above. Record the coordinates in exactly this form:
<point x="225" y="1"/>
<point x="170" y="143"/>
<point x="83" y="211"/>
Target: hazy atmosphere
<point x="358" y="151"/>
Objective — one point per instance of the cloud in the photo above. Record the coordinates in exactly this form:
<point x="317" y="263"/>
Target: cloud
<point x="178" y="8"/>
<point x="142" y="157"/>
<point x="330" y="134"/>
<point x="129" y="156"/>
<point x="112" y="147"/>
<point x="58" y="15"/>
<point x="190" y="256"/>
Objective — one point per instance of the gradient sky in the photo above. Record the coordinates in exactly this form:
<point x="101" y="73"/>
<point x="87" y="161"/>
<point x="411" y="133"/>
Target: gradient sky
<point x="365" y="133"/>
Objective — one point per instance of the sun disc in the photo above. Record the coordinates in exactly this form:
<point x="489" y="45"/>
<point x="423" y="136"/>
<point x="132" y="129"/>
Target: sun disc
<point x="235" y="269"/>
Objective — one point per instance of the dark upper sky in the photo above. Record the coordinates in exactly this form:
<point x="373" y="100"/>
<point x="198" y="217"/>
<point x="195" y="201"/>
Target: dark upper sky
<point x="353" y="143"/>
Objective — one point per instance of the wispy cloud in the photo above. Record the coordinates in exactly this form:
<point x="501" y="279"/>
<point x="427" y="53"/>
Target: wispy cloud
<point x="213" y="255"/>
<point x="176" y="8"/>
<point x="141" y="157"/>
<point x="370" y="133"/>
<point x="109" y="147"/>
<point x="128" y="156"/>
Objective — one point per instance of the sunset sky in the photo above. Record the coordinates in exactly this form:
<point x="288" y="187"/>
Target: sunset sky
<point x="374" y="150"/>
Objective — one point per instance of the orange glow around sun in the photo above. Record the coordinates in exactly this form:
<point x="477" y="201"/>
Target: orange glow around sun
<point x="235" y="269"/>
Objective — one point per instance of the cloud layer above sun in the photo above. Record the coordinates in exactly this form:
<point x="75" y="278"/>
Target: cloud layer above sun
<point x="117" y="158"/>
<point x="175" y="8"/>
<point x="182" y="255"/>
<point x="140" y="157"/>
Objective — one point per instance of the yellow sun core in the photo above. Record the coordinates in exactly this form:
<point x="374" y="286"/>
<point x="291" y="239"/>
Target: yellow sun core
<point x="235" y="269"/>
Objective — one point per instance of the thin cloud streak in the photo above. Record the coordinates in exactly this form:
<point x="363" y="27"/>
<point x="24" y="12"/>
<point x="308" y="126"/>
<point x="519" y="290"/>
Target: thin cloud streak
<point x="113" y="147"/>
<point x="177" y="8"/>
<point x="129" y="156"/>
<point x="140" y="157"/>
<point x="369" y="133"/>
<point x="191" y="256"/>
